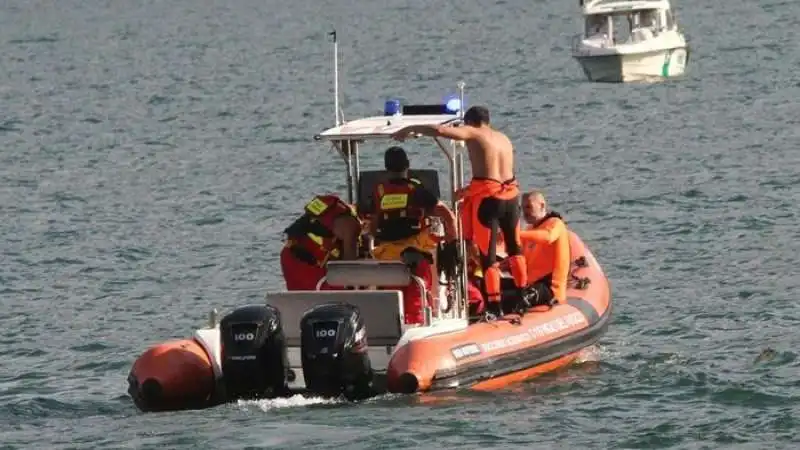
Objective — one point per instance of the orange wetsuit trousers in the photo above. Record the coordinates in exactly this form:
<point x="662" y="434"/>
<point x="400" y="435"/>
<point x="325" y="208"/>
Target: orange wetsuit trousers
<point x="492" y="207"/>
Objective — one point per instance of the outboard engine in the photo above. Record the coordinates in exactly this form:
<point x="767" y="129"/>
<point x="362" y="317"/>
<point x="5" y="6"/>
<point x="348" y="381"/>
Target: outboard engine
<point x="254" y="359"/>
<point x="333" y="346"/>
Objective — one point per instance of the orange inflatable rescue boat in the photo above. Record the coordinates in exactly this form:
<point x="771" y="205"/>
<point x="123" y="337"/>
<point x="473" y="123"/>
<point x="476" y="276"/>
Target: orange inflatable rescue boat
<point x="354" y="342"/>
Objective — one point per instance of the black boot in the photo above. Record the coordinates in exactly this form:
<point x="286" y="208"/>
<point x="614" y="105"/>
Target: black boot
<point x="494" y="310"/>
<point x="528" y="298"/>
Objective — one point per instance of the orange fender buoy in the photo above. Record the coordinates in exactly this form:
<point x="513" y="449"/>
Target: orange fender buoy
<point x="172" y="375"/>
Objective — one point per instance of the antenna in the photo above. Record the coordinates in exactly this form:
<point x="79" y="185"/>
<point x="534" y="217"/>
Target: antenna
<point x="335" y="77"/>
<point x="461" y="86"/>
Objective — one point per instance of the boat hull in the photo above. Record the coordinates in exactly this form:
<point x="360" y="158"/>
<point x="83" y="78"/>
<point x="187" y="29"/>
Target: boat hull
<point x="490" y="355"/>
<point x="652" y="65"/>
<point x="448" y="354"/>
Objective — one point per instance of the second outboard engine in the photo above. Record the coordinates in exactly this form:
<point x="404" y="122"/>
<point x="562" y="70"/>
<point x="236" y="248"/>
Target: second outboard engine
<point x="254" y="359"/>
<point x="333" y="346"/>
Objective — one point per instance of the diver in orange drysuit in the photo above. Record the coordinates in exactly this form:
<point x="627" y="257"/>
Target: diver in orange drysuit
<point x="546" y="247"/>
<point x="329" y="229"/>
<point x="491" y="198"/>
<point x="399" y="211"/>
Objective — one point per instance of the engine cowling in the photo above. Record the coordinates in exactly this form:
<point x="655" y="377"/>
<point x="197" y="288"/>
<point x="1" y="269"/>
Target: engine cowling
<point x="333" y="346"/>
<point x="254" y="356"/>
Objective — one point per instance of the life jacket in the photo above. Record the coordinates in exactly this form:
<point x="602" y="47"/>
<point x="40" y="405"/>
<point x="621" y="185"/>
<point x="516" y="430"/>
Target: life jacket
<point x="550" y="260"/>
<point x="395" y="214"/>
<point x="311" y="235"/>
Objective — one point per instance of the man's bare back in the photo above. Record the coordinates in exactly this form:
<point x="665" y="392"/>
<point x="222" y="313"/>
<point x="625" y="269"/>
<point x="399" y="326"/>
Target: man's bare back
<point x="491" y="154"/>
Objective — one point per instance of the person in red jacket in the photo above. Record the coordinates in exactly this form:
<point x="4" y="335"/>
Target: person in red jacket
<point x="329" y="229"/>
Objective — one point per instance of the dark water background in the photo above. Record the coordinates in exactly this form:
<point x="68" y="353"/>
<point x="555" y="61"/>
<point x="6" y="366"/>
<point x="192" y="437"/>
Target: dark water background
<point x="151" y="153"/>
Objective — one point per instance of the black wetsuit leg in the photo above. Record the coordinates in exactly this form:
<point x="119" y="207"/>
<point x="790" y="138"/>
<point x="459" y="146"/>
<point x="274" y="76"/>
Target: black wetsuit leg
<point x="509" y="225"/>
<point x="503" y="216"/>
<point x="489" y="213"/>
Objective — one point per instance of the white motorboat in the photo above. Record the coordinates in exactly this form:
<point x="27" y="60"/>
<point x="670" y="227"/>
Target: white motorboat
<point x="630" y="40"/>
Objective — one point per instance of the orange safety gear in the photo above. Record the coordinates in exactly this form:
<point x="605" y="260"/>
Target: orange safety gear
<point x="397" y="216"/>
<point x="310" y="237"/>
<point x="490" y="208"/>
<point x="546" y="249"/>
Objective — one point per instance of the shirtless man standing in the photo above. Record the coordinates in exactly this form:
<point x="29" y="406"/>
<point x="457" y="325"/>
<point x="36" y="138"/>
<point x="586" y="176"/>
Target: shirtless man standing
<point x="491" y="200"/>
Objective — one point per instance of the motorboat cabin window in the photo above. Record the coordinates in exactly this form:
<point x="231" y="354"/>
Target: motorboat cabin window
<point x="647" y="19"/>
<point x="628" y="27"/>
<point x="597" y="29"/>
<point x="644" y="25"/>
<point x="622" y="25"/>
<point x="670" y="20"/>
<point x="596" y="25"/>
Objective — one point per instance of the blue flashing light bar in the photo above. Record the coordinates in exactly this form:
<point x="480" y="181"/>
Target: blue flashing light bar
<point x="451" y="106"/>
<point x="391" y="107"/>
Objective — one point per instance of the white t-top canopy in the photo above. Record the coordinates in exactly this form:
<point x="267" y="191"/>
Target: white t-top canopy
<point x="591" y="7"/>
<point x="382" y="127"/>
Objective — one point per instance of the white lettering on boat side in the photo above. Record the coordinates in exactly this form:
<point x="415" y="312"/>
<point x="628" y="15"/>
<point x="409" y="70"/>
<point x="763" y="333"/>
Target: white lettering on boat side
<point x="465" y="351"/>
<point x="552" y="327"/>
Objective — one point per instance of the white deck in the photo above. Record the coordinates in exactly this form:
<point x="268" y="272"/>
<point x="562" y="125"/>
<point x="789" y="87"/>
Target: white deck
<point x="382" y="127"/>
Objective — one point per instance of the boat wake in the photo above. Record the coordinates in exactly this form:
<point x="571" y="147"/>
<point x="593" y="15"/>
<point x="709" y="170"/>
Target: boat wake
<point x="591" y="354"/>
<point x="289" y="402"/>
